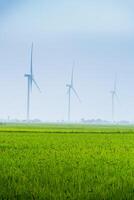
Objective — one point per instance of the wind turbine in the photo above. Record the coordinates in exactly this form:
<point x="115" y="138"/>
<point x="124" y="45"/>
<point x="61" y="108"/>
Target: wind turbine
<point x="30" y="82"/>
<point x="71" y="89"/>
<point x="114" y="96"/>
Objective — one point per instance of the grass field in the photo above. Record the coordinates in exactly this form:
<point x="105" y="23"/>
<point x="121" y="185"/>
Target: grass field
<point x="74" y="162"/>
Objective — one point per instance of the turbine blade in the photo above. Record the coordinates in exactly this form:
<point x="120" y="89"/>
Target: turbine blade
<point x="76" y="94"/>
<point x="36" y="84"/>
<point x="115" y="88"/>
<point x="68" y="91"/>
<point x="115" y="83"/>
<point x="31" y="83"/>
<point x="117" y="97"/>
<point x="72" y="77"/>
<point x="31" y="65"/>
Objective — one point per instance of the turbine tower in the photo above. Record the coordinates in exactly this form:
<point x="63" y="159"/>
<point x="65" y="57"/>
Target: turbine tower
<point x="114" y="95"/>
<point x="71" y="89"/>
<point x="31" y="80"/>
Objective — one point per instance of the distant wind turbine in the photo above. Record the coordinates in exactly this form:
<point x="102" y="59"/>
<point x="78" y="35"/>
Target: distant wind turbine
<point x="71" y="89"/>
<point x="31" y="80"/>
<point x="114" y="96"/>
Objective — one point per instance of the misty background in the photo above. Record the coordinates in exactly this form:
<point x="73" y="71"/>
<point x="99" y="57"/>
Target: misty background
<point x="97" y="35"/>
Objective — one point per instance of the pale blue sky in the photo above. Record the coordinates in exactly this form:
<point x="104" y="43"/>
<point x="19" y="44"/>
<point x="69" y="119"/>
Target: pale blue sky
<point x="98" y="35"/>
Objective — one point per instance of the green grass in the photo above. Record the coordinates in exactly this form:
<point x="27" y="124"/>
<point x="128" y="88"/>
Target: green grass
<point x="74" y="162"/>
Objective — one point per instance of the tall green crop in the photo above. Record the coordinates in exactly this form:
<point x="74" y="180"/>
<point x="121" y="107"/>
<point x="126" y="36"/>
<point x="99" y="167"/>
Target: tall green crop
<point x="66" y="162"/>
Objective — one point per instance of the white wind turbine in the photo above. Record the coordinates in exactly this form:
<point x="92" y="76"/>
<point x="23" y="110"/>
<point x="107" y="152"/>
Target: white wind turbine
<point x="114" y="97"/>
<point x="31" y="80"/>
<point x="71" y="90"/>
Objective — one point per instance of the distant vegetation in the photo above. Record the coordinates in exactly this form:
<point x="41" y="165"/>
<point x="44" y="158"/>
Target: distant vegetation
<point x="59" y="162"/>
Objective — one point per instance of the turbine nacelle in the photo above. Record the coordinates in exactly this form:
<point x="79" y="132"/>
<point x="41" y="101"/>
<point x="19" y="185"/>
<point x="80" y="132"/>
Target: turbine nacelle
<point x="27" y="75"/>
<point x="113" y="92"/>
<point x="68" y="85"/>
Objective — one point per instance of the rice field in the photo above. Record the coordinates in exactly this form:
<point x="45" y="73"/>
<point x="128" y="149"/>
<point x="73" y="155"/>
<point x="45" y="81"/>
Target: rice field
<point x="73" y="162"/>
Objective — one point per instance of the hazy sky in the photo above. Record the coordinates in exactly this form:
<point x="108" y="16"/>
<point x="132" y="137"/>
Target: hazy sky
<point x="97" y="35"/>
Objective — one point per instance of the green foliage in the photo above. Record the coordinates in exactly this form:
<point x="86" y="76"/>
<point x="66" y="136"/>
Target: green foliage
<point x="75" y="162"/>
